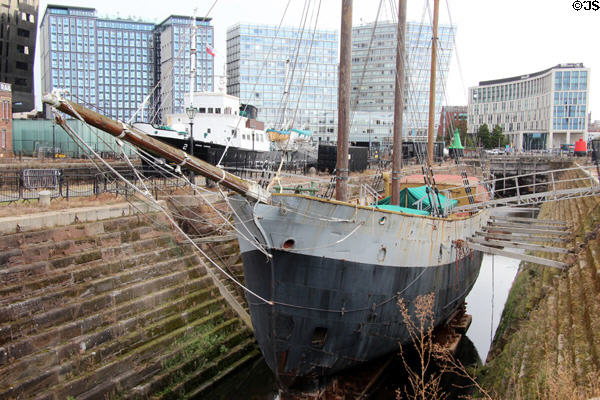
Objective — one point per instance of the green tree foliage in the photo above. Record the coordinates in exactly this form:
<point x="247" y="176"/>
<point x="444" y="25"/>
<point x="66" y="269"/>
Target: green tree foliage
<point x="490" y="140"/>
<point x="497" y="138"/>
<point x="446" y="139"/>
<point x="483" y="136"/>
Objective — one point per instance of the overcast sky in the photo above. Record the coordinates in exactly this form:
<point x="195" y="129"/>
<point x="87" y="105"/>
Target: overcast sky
<point x="495" y="39"/>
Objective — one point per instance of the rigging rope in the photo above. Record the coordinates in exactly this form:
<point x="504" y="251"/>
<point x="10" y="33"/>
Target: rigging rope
<point x="276" y="178"/>
<point x="260" y="72"/>
<point x="254" y="242"/>
<point x="160" y="207"/>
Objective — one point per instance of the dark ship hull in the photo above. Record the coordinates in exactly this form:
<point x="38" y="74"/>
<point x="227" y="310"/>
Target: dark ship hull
<point x="334" y="288"/>
<point x="238" y="158"/>
<point x="211" y="153"/>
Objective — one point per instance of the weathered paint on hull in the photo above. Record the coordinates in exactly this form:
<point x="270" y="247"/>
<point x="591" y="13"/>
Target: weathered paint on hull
<point x="355" y="303"/>
<point x="335" y="273"/>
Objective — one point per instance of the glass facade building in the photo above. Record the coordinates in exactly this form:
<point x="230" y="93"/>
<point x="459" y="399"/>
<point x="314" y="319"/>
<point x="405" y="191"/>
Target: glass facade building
<point x="113" y="65"/>
<point x="173" y="38"/>
<point x="541" y="110"/>
<point x="374" y="74"/>
<point x="124" y="67"/>
<point x="264" y="63"/>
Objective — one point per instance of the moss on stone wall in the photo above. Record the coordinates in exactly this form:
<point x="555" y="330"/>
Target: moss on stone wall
<point x="548" y="340"/>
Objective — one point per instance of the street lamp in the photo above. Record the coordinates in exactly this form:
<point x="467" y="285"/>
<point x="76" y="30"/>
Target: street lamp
<point x="191" y="112"/>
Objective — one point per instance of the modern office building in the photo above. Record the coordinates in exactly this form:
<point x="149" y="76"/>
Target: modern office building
<point x="372" y="128"/>
<point x="114" y="64"/>
<point x="541" y="110"/>
<point x="18" y="29"/>
<point x="288" y="74"/>
<point x="6" y="144"/>
<point x="173" y="39"/>
<point x="374" y="74"/>
<point x="451" y="117"/>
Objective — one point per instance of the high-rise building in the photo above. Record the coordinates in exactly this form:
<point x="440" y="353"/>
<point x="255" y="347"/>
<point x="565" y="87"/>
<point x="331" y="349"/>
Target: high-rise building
<point x="290" y="75"/>
<point x="124" y="67"/>
<point x="541" y="110"/>
<point x="173" y="37"/>
<point x="18" y="29"/>
<point x="374" y="75"/>
<point x="114" y="64"/>
<point x="6" y="143"/>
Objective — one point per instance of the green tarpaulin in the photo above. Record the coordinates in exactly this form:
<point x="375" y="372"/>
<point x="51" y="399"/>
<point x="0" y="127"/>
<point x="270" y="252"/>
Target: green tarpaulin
<point x="400" y="209"/>
<point x="409" y="198"/>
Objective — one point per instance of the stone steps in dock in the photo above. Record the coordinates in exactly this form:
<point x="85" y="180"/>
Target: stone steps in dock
<point x="111" y="308"/>
<point x="226" y="253"/>
<point x="60" y="304"/>
<point x="189" y="373"/>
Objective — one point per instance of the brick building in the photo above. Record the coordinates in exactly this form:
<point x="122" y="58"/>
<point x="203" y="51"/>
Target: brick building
<point x="451" y="118"/>
<point x="6" y="145"/>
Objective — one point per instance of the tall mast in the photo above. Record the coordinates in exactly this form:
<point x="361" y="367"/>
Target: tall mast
<point x="341" y="185"/>
<point x="398" y="103"/>
<point x="193" y="60"/>
<point x="434" y="41"/>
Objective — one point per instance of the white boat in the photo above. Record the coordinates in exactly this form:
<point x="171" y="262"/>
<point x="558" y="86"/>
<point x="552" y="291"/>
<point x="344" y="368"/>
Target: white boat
<point x="220" y="122"/>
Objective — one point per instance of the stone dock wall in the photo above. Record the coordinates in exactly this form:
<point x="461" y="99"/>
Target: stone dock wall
<point x="110" y="303"/>
<point x="547" y="345"/>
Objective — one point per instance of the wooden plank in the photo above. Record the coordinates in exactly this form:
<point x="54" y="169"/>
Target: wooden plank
<point x="532" y="220"/>
<point x="519" y="245"/>
<point x="217" y="238"/>
<point x="516" y="209"/>
<point x="523" y="237"/>
<point x="494" y="227"/>
<point x="517" y="256"/>
<point x="524" y="225"/>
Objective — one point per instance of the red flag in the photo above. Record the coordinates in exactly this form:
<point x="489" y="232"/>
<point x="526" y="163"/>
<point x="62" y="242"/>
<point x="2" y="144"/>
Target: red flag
<point x="209" y="50"/>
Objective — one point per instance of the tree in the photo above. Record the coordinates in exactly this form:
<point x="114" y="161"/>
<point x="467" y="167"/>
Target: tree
<point x="497" y="138"/>
<point x="445" y="139"/>
<point x="483" y="136"/>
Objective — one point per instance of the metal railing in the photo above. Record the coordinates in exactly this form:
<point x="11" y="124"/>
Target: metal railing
<point x="26" y="184"/>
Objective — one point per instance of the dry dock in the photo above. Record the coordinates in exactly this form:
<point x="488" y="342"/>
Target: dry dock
<point x="547" y="345"/>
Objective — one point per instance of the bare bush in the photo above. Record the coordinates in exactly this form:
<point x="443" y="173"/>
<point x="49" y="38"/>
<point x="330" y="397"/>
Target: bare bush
<point x="432" y="359"/>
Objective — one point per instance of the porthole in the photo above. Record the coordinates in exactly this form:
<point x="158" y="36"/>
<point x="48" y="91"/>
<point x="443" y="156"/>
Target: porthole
<point x="381" y="254"/>
<point x="289" y="244"/>
<point x="319" y="337"/>
<point x="382" y="220"/>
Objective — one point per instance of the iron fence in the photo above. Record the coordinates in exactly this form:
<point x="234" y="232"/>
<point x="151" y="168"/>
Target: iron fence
<point x="26" y="184"/>
<point x="77" y="182"/>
